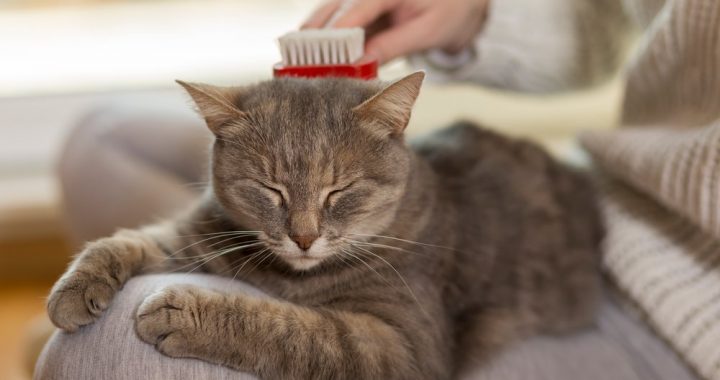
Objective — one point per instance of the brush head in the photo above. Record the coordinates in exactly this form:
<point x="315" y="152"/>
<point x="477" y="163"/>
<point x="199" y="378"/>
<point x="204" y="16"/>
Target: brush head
<point x="322" y="46"/>
<point x="325" y="53"/>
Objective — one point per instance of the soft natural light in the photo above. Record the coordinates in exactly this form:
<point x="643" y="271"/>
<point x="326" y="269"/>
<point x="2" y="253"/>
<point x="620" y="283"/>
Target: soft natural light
<point x="126" y="45"/>
<point x="60" y="60"/>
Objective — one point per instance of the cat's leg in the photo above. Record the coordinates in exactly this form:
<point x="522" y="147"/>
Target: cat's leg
<point x="101" y="269"/>
<point x="276" y="339"/>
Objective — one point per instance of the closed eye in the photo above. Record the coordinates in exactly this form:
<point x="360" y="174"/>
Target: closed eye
<point x="274" y="193"/>
<point x="334" y="195"/>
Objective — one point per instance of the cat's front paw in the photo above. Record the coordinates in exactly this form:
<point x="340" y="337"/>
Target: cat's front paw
<point x="78" y="299"/>
<point x="174" y="320"/>
<point x="87" y="288"/>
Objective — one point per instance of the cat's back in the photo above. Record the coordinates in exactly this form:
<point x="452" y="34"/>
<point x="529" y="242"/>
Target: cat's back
<point x="536" y="217"/>
<point x="465" y="151"/>
<point x="491" y="175"/>
<point x="477" y="166"/>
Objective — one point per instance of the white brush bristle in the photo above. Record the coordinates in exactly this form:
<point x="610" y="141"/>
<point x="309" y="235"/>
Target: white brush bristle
<point x="322" y="46"/>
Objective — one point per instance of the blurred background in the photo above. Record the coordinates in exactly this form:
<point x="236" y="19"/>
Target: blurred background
<point x="61" y="58"/>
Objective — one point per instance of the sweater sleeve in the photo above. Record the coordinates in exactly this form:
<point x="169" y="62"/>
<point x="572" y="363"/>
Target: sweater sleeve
<point x="538" y="46"/>
<point x="674" y="76"/>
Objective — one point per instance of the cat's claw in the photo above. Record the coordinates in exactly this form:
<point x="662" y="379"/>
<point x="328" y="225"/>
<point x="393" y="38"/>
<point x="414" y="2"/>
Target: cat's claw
<point x="78" y="299"/>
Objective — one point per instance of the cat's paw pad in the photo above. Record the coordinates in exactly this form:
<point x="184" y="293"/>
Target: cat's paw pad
<point x="78" y="299"/>
<point x="171" y="319"/>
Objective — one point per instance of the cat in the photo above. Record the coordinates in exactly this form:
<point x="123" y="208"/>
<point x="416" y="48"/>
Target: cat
<point x="386" y="259"/>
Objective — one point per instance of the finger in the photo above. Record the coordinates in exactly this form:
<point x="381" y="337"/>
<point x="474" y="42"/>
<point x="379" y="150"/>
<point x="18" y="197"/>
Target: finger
<point x="408" y="38"/>
<point x="378" y="26"/>
<point x="361" y="13"/>
<point x="321" y="15"/>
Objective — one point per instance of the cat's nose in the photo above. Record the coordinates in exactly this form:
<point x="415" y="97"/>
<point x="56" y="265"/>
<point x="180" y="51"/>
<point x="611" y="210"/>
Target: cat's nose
<point x="304" y="241"/>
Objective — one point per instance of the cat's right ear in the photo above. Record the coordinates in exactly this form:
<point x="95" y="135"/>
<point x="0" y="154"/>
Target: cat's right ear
<point x="214" y="104"/>
<point x="387" y="113"/>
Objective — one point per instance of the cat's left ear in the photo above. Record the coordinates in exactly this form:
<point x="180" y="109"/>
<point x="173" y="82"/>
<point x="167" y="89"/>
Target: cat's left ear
<point x="215" y="104"/>
<point x="387" y="113"/>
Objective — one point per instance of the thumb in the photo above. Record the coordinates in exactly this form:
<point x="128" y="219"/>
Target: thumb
<point x="361" y="13"/>
<point x="410" y="37"/>
<point x="321" y="15"/>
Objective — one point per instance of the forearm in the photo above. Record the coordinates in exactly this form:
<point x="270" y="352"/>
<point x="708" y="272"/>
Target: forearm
<point x="279" y="340"/>
<point x="128" y="253"/>
<point x="86" y="289"/>
<point x="540" y="46"/>
<point x="114" y="259"/>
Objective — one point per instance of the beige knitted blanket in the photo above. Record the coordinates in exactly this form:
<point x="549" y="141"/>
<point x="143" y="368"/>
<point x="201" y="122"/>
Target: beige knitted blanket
<point x="666" y="254"/>
<point x="671" y="270"/>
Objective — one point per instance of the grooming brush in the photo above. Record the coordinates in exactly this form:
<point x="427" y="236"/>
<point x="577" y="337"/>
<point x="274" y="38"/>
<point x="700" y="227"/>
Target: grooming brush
<point x="314" y="53"/>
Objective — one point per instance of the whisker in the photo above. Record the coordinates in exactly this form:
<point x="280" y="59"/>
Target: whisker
<point x="170" y="256"/>
<point x="202" y="261"/>
<point x="343" y="259"/>
<point x="263" y="260"/>
<point x="252" y="257"/>
<point x="230" y="238"/>
<point x="405" y="241"/>
<point x="401" y="279"/>
<point x="222" y="233"/>
<point x="215" y="236"/>
<point x="368" y="266"/>
<point x="213" y="255"/>
<point x="210" y="253"/>
<point x="234" y="264"/>
<point x="378" y="245"/>
<point x="273" y="258"/>
<point x="267" y="253"/>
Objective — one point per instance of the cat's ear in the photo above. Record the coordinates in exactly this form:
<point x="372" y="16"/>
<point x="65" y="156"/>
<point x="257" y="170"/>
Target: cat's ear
<point x="388" y="112"/>
<point x="214" y="104"/>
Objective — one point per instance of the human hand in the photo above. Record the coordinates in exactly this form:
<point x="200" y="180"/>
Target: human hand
<point x="400" y="27"/>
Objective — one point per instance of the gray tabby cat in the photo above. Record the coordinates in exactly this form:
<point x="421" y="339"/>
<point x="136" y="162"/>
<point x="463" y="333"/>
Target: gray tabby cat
<point x="386" y="262"/>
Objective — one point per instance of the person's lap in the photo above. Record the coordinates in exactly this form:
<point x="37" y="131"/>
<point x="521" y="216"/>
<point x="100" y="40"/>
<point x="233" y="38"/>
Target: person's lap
<point x="122" y="167"/>
<point x="125" y="165"/>
<point x="618" y="348"/>
<point x="109" y="348"/>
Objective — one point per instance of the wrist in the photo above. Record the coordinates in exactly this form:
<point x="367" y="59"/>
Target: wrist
<point x="442" y="60"/>
<point x="474" y="20"/>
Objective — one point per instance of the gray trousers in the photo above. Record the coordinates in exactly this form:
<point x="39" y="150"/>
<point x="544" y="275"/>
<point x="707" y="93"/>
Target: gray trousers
<point x="123" y="167"/>
<point x="618" y="348"/>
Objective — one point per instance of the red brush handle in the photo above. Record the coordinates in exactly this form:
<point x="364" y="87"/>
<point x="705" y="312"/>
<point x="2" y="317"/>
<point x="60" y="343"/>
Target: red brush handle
<point x="362" y="69"/>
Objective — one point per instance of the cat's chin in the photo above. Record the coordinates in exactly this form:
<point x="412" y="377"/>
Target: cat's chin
<point x="302" y="263"/>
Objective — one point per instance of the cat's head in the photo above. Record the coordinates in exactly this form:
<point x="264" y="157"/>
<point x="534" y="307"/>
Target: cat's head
<point x="310" y="164"/>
